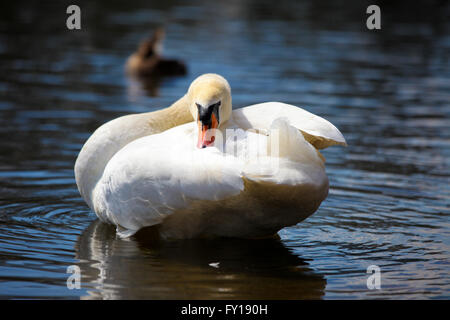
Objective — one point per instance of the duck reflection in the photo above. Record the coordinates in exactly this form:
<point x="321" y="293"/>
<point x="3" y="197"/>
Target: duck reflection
<point x="145" y="268"/>
<point x="142" y="86"/>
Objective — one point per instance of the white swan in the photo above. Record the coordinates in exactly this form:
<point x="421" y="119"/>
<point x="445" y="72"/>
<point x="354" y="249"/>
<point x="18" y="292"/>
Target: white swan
<point x="211" y="176"/>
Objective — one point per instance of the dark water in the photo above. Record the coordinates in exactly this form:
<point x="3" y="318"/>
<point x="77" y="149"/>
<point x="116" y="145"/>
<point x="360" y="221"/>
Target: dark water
<point x="388" y="91"/>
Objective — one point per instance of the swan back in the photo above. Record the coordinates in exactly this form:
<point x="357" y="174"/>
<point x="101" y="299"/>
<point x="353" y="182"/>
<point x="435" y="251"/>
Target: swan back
<point x="316" y="130"/>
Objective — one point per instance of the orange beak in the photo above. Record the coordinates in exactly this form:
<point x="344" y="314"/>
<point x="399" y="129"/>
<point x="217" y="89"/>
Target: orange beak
<point x="206" y="132"/>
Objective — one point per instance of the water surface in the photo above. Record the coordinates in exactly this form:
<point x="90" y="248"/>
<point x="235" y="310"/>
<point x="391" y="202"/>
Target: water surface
<point x="388" y="92"/>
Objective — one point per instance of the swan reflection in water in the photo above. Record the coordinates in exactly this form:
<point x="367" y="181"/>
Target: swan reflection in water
<point x="143" y="268"/>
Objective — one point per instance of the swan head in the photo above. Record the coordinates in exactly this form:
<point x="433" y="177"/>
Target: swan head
<point x="210" y="106"/>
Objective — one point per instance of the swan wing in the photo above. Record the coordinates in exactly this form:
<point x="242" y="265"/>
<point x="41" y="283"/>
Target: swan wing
<point x="316" y="130"/>
<point x="154" y="176"/>
<point x="290" y="159"/>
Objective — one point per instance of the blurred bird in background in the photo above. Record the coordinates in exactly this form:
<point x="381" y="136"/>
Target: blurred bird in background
<point x="147" y="61"/>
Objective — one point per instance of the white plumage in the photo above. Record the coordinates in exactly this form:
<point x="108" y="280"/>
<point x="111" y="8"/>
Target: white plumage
<point x="146" y="170"/>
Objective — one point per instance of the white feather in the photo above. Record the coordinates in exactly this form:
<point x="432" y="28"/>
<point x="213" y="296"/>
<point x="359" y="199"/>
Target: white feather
<point x="134" y="172"/>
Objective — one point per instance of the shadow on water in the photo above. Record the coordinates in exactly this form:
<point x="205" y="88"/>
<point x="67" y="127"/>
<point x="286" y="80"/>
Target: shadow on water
<point x="191" y="269"/>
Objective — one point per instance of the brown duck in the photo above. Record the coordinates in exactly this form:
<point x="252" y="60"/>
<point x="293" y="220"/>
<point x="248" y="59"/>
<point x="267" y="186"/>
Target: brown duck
<point x="147" y="60"/>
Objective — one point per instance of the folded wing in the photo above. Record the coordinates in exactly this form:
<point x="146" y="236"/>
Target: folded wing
<point x="316" y="130"/>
